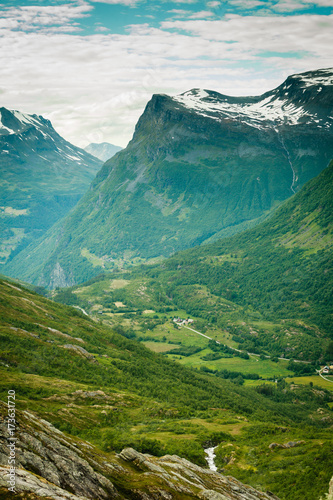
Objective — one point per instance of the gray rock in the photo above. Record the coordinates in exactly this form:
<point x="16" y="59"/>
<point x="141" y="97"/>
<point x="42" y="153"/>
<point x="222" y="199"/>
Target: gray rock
<point x="27" y="482"/>
<point x="212" y="495"/>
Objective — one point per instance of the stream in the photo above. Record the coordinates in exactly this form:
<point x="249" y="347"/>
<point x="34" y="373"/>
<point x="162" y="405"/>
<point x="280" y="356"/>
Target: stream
<point x="210" y="458"/>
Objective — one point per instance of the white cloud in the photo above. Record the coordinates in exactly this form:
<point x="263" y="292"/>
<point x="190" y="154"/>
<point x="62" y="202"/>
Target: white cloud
<point x="248" y="4"/>
<point x="289" y="6"/>
<point x="94" y="88"/>
<point x="130" y="3"/>
<point x="212" y="5"/>
<point x="320" y="3"/>
<point x="202" y="14"/>
<point x="179" y="12"/>
<point x="184" y="1"/>
<point x="34" y="17"/>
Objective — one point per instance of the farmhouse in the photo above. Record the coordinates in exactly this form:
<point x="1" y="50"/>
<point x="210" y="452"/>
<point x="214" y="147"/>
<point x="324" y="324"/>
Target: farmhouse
<point x="183" y="322"/>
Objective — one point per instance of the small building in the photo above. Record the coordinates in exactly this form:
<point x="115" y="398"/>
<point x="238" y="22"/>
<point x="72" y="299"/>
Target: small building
<point x="183" y="322"/>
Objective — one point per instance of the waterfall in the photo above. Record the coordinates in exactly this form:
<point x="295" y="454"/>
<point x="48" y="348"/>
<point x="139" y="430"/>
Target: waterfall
<point x="210" y="458"/>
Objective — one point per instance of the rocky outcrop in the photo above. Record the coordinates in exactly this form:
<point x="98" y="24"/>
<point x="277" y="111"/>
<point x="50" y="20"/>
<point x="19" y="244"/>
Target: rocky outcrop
<point x="44" y="450"/>
<point x="290" y="444"/>
<point x="50" y="464"/>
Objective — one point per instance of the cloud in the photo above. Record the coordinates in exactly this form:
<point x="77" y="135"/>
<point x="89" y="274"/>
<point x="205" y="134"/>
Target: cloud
<point x="289" y="6"/>
<point x="280" y="6"/>
<point x="179" y="12"/>
<point x="248" y="4"/>
<point x="184" y="1"/>
<point x="95" y="87"/>
<point x="202" y="14"/>
<point x="34" y="17"/>
<point x="130" y="3"/>
<point x="252" y="34"/>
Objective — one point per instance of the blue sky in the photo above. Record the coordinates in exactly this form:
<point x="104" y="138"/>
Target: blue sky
<point x="91" y="66"/>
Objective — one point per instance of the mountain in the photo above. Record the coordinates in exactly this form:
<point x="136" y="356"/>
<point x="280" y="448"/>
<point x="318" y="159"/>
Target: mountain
<point x="200" y="166"/>
<point x="86" y="394"/>
<point x="42" y="177"/>
<point x="282" y="268"/>
<point x="104" y="150"/>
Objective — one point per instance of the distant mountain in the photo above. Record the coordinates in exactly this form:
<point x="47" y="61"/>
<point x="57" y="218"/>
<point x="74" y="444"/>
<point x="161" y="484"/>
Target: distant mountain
<point x="42" y="177"/>
<point x="200" y="166"/>
<point x="104" y="150"/>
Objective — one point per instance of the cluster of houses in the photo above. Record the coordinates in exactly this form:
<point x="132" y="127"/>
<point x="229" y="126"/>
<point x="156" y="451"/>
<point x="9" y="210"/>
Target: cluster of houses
<point x="327" y="369"/>
<point x="183" y="322"/>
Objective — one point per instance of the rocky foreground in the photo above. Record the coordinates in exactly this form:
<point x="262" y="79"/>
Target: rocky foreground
<point x="53" y="465"/>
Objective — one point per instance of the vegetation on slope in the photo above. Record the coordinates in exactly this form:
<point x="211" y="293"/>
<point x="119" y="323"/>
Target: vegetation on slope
<point x="96" y="384"/>
<point x="266" y="291"/>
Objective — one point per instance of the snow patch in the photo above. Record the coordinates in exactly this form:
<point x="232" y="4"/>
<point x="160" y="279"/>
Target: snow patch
<point x="271" y="109"/>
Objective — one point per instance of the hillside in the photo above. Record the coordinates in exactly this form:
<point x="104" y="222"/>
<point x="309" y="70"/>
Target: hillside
<point x="106" y="393"/>
<point x="266" y="291"/>
<point x="200" y="166"/>
<point x="42" y="177"/>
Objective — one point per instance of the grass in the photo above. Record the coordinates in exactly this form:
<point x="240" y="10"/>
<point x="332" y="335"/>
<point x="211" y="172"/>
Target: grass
<point x="315" y="379"/>
<point x="264" y="368"/>
<point x="147" y="402"/>
<point x="160" y="346"/>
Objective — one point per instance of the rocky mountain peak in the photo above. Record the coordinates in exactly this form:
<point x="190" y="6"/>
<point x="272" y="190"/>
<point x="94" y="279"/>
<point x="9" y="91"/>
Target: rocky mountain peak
<point x="12" y="122"/>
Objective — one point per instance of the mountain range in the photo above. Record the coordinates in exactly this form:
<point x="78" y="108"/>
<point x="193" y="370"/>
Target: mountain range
<point x="200" y="166"/>
<point x="42" y="176"/>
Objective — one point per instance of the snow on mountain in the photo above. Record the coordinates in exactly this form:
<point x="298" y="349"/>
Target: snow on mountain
<point x="42" y="177"/>
<point x="282" y="105"/>
<point x="36" y="129"/>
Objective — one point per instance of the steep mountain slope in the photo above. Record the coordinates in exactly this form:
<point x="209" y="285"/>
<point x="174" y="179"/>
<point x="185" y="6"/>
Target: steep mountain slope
<point x="283" y="267"/>
<point x="200" y="166"/>
<point x="111" y="392"/>
<point x="42" y="177"/>
<point x="103" y="150"/>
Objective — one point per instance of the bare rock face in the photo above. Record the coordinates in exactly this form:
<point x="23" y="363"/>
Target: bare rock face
<point x="185" y="477"/>
<point x="26" y="482"/>
<point x="51" y="465"/>
<point x="47" y="452"/>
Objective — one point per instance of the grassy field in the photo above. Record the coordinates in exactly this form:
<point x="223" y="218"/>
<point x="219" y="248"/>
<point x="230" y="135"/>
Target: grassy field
<point x="264" y="368"/>
<point x="315" y="379"/>
<point x="160" y="346"/>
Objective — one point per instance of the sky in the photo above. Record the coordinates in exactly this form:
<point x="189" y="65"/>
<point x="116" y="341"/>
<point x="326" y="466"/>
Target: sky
<point x="91" y="66"/>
